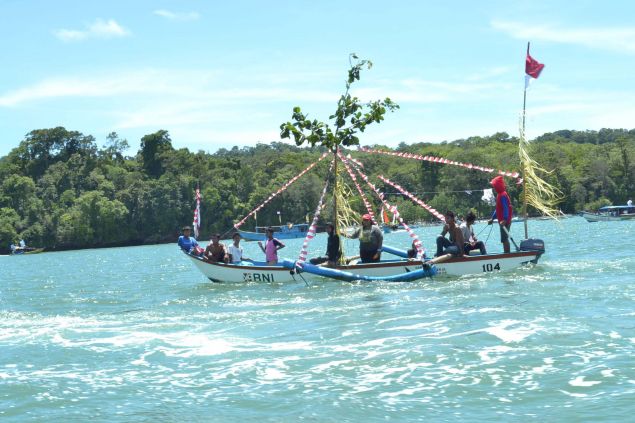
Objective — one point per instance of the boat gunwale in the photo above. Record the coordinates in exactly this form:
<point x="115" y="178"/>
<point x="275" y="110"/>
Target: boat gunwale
<point x="382" y="264"/>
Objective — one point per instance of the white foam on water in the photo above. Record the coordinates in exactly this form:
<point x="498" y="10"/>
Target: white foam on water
<point x="615" y="335"/>
<point x="579" y="381"/>
<point x="273" y="374"/>
<point x="486" y="354"/>
<point x="287" y="346"/>
<point x="573" y="394"/>
<point x="417" y="326"/>
<point x="320" y="368"/>
<point x="484" y="310"/>
<point x="404" y="392"/>
<point x="195" y="345"/>
<point x="506" y="335"/>
<point x="541" y="370"/>
<point x="608" y="372"/>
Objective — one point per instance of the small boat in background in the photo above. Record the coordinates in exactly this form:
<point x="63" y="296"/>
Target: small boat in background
<point x="289" y="231"/>
<point x="610" y="213"/>
<point x="26" y="250"/>
<point x="20" y="248"/>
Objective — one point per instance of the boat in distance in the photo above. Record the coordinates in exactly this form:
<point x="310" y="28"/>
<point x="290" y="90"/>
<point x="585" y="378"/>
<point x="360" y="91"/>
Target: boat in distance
<point x="610" y="213"/>
<point x="289" y="231"/>
<point x="27" y="250"/>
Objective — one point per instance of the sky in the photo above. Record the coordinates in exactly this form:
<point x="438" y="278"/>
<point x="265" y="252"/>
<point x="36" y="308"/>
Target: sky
<point x="218" y="74"/>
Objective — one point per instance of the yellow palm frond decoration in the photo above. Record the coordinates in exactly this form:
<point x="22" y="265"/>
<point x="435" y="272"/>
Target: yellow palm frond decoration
<point x="346" y="216"/>
<point x="538" y="193"/>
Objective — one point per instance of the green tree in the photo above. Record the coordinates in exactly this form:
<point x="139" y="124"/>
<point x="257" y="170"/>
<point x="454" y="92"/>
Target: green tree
<point x="154" y="149"/>
<point x="350" y="117"/>
<point x="8" y="221"/>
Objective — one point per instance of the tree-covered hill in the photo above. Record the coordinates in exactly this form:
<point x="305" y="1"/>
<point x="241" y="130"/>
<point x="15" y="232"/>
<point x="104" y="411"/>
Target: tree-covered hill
<point x="59" y="189"/>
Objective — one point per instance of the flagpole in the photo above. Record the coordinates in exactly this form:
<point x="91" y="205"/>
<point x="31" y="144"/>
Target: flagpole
<point x="523" y="164"/>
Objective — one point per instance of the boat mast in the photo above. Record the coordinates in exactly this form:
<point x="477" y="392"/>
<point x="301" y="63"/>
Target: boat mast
<point x="335" y="220"/>
<point x="522" y="165"/>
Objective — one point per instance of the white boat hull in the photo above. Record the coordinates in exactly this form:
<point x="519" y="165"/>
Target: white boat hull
<point x="603" y="217"/>
<point x="259" y="272"/>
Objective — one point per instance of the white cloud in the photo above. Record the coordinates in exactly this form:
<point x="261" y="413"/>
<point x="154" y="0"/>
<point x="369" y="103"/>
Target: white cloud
<point x="489" y="73"/>
<point x="183" y="84"/>
<point x="112" y="85"/>
<point x="424" y="91"/>
<point x="212" y="109"/>
<point x="614" y="39"/>
<point x="177" y="16"/>
<point x="98" y="29"/>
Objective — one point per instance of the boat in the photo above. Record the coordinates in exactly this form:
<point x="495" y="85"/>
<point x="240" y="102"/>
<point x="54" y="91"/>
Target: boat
<point x="286" y="271"/>
<point x="343" y="166"/>
<point x="610" y="213"/>
<point x="26" y="250"/>
<point x="288" y="231"/>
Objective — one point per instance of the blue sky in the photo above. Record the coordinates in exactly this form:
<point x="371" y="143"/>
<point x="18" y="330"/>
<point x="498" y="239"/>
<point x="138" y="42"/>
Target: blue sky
<point x="218" y="74"/>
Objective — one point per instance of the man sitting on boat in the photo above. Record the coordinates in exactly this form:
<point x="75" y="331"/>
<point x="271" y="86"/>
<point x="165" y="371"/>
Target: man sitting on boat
<point x="216" y="252"/>
<point x="371" y="239"/>
<point x="454" y="245"/>
<point x="187" y="242"/>
<point x="333" y="251"/>
<point x="503" y="211"/>
<point x="470" y="241"/>
<point x="271" y="247"/>
<point x="236" y="251"/>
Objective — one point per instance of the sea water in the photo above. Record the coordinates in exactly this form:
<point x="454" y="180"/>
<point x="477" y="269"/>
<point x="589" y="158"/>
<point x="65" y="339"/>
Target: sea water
<point x="139" y="334"/>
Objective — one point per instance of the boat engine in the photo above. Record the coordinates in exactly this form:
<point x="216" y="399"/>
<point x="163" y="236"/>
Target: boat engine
<point x="532" y="245"/>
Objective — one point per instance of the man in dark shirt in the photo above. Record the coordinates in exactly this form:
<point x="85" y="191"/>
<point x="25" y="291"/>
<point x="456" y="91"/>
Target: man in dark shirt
<point x="333" y="251"/>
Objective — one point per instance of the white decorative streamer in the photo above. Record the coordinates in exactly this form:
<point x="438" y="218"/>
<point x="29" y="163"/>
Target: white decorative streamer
<point x="442" y="161"/>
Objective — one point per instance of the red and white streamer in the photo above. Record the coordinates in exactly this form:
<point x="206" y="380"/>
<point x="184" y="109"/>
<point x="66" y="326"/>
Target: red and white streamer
<point x="196" y="223"/>
<point x="312" y="229"/>
<point x="442" y="161"/>
<point x="432" y="210"/>
<point x="284" y="187"/>
<point x="417" y="243"/>
<point x="359" y="189"/>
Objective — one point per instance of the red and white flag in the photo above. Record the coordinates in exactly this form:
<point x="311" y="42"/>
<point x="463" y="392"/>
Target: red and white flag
<point x="532" y="68"/>
<point x="197" y="213"/>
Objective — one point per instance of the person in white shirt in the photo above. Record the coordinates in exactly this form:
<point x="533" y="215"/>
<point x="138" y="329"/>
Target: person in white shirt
<point x="629" y="203"/>
<point x="470" y="241"/>
<point x="236" y="251"/>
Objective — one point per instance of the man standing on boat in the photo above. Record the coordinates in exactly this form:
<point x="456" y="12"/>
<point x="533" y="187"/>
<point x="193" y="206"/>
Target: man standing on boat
<point x="503" y="212"/>
<point x="271" y="247"/>
<point x="371" y="239"/>
<point x="333" y="251"/>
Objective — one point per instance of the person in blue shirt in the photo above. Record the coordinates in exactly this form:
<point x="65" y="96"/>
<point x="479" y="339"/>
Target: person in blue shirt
<point x="187" y="242"/>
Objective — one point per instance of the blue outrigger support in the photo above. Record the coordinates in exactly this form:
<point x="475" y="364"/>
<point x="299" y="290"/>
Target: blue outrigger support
<point x="395" y="251"/>
<point x="327" y="272"/>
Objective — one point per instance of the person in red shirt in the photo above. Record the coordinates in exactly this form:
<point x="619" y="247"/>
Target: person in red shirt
<point x="503" y="212"/>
